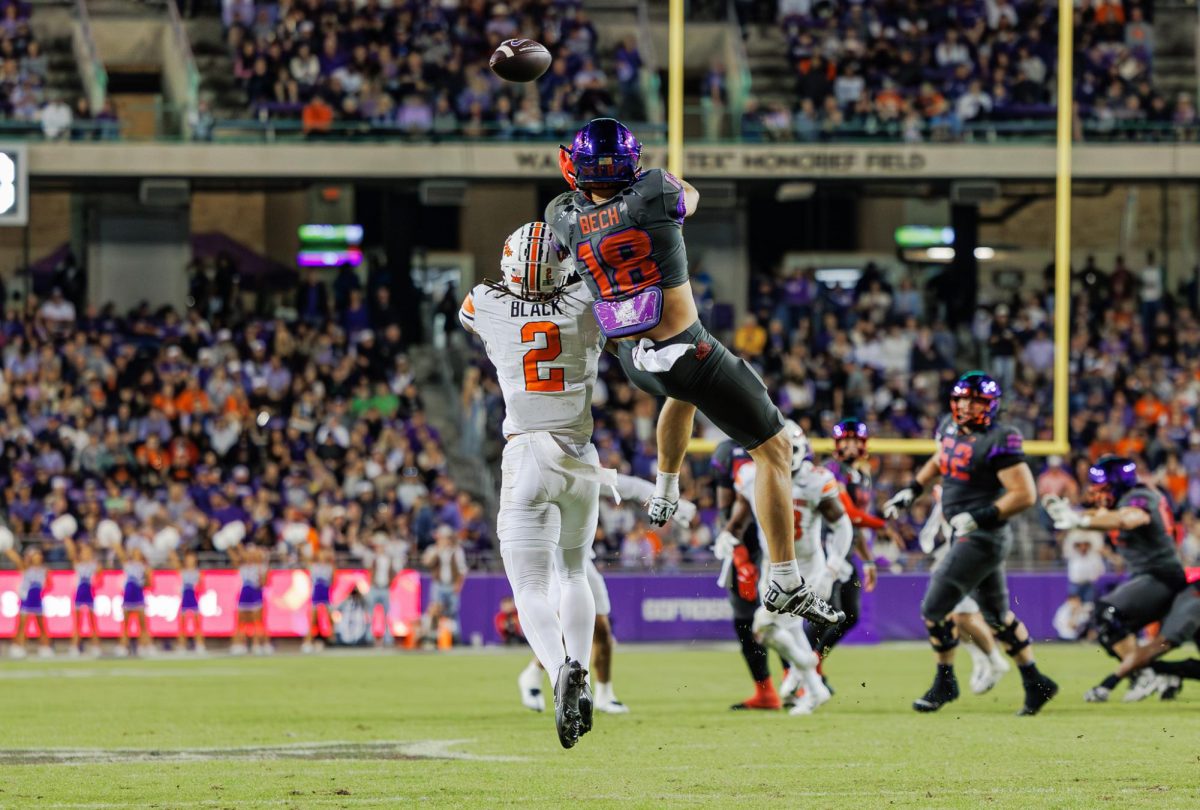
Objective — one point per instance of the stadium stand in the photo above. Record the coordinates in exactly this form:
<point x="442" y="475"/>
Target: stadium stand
<point x="422" y="69"/>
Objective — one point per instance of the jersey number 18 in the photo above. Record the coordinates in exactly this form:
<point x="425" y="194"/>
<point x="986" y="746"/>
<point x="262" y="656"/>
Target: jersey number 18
<point x="620" y="263"/>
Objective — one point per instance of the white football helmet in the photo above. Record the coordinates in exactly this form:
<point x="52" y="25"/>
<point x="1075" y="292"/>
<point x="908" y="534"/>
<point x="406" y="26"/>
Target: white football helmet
<point x="532" y="262"/>
<point x="800" y="445"/>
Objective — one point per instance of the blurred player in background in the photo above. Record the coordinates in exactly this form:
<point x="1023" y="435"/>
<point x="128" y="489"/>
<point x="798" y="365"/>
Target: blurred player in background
<point x="741" y="580"/>
<point x="987" y="664"/>
<point x="851" y="467"/>
<point x="1142" y="519"/>
<point x="624" y="227"/>
<point x="537" y="328"/>
<point x="815" y="497"/>
<point x="985" y="481"/>
<point x="33" y="585"/>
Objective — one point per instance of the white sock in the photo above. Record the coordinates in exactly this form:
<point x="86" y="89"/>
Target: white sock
<point x="997" y="658"/>
<point x="786" y="575"/>
<point x="603" y="694"/>
<point x="529" y="571"/>
<point x="812" y="681"/>
<point x="667" y="486"/>
<point x="577" y="606"/>
<point x="786" y="644"/>
<point x="532" y="674"/>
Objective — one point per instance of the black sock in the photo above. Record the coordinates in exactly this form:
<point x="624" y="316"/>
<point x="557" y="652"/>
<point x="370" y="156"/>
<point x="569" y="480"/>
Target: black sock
<point x="1029" y="672"/>
<point x="1184" y="669"/>
<point x="1110" y="683"/>
<point x="945" y="672"/>
<point x="754" y="653"/>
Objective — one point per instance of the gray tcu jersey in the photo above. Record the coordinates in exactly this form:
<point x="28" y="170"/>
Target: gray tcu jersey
<point x="628" y="243"/>
<point x="1149" y="548"/>
<point x="970" y="462"/>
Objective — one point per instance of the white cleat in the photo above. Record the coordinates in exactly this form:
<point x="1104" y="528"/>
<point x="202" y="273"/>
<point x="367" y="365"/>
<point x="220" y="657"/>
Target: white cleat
<point x="1146" y="683"/>
<point x="94" y="651"/>
<point x="237" y="649"/>
<point x="1097" y="694"/>
<point x="791" y="684"/>
<point x="307" y="648"/>
<point x="46" y="652"/>
<point x="121" y="651"/>
<point x="810" y="701"/>
<point x="530" y="687"/>
<point x="73" y="652"/>
<point x="17" y="651"/>
<point x="613" y="707"/>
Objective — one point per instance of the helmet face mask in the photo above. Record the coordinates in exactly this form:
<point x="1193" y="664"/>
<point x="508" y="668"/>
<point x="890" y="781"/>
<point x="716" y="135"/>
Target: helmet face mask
<point x="850" y="439"/>
<point x="532" y="263"/>
<point x="975" y="399"/>
<point x="1109" y="479"/>
<point x="604" y="154"/>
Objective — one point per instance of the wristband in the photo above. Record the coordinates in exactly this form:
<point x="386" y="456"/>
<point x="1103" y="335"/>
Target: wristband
<point x="988" y="517"/>
<point x="868" y="563"/>
<point x="916" y="488"/>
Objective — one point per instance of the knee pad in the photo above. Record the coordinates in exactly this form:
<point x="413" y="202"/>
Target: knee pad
<point x="1006" y="634"/>
<point x="943" y="635"/>
<point x="1111" y="626"/>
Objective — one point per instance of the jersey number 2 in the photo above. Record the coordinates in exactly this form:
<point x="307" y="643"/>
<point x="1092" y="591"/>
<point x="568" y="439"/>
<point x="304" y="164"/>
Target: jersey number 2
<point x="553" y="348"/>
<point x="623" y="265"/>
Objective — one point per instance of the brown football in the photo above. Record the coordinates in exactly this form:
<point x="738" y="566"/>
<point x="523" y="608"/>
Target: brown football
<point x="520" y="60"/>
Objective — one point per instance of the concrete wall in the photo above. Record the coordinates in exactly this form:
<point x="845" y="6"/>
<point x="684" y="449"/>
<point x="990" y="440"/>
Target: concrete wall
<point x="49" y="227"/>
<point x="265" y="222"/>
<point x="489" y="214"/>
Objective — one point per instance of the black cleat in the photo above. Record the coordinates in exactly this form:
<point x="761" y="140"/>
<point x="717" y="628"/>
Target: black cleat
<point x="1172" y="685"/>
<point x="1037" y="696"/>
<point x="586" y="705"/>
<point x="567" y="691"/>
<point x="942" y="692"/>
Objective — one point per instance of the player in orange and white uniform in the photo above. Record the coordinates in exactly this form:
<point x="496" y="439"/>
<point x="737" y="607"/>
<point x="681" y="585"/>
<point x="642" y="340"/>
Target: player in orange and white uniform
<point x="816" y="499"/>
<point x="539" y="332"/>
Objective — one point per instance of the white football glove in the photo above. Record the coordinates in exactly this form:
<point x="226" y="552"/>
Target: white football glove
<point x="1059" y="509"/>
<point x="725" y="543"/>
<point x="963" y="524"/>
<point x="660" y="510"/>
<point x="899" y="503"/>
<point x="685" y="510"/>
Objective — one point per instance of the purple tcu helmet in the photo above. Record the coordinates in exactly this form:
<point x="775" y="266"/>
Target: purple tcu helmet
<point x="850" y="429"/>
<point x="977" y="387"/>
<point x="605" y="153"/>
<point x="1110" y="478"/>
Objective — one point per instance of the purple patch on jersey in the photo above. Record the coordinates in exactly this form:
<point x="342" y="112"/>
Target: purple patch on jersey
<point x="1013" y="445"/>
<point x="680" y="199"/>
<point x="629" y="316"/>
<point x="835" y="467"/>
<point x="1139" y="503"/>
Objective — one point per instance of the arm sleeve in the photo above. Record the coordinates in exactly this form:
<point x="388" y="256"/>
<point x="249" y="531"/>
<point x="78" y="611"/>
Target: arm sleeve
<point x="466" y="313"/>
<point x="633" y="489"/>
<point x="840" y="538"/>
<point x="860" y="517"/>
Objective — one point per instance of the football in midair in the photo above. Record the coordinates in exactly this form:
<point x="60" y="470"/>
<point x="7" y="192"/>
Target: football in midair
<point x="520" y="60"/>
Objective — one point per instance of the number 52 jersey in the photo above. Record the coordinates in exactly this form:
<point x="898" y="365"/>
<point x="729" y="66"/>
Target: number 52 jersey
<point x="545" y="354"/>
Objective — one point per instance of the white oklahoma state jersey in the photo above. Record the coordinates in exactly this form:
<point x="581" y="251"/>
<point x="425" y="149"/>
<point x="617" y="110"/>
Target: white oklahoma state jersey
<point x="545" y="355"/>
<point x="811" y="485"/>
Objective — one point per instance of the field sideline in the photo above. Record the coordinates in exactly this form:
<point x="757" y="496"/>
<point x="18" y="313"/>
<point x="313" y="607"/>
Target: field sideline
<point x="361" y="731"/>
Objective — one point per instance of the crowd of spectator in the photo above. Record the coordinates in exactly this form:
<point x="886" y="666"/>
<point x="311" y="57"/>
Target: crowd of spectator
<point x="942" y="70"/>
<point x="421" y="68"/>
<point x="310" y="431"/>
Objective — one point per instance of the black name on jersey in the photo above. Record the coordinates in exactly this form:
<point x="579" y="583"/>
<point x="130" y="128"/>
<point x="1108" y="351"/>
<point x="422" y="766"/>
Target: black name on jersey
<point x="528" y="309"/>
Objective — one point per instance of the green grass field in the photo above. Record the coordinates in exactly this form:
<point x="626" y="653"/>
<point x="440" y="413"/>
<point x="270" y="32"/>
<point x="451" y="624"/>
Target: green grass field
<point x="447" y="730"/>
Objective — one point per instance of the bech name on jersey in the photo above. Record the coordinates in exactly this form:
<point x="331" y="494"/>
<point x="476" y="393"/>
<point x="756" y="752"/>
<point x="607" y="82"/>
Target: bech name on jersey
<point x="600" y="220"/>
<point x="529" y="309"/>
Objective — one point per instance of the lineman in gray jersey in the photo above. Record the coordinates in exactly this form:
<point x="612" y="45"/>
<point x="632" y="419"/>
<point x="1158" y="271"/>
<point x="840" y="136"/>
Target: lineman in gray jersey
<point x="1140" y="516"/>
<point x="985" y="481"/>
<point x="624" y="226"/>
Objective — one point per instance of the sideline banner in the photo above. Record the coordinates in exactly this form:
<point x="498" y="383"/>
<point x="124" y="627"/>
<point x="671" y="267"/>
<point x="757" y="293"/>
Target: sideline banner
<point x="286" y="601"/>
